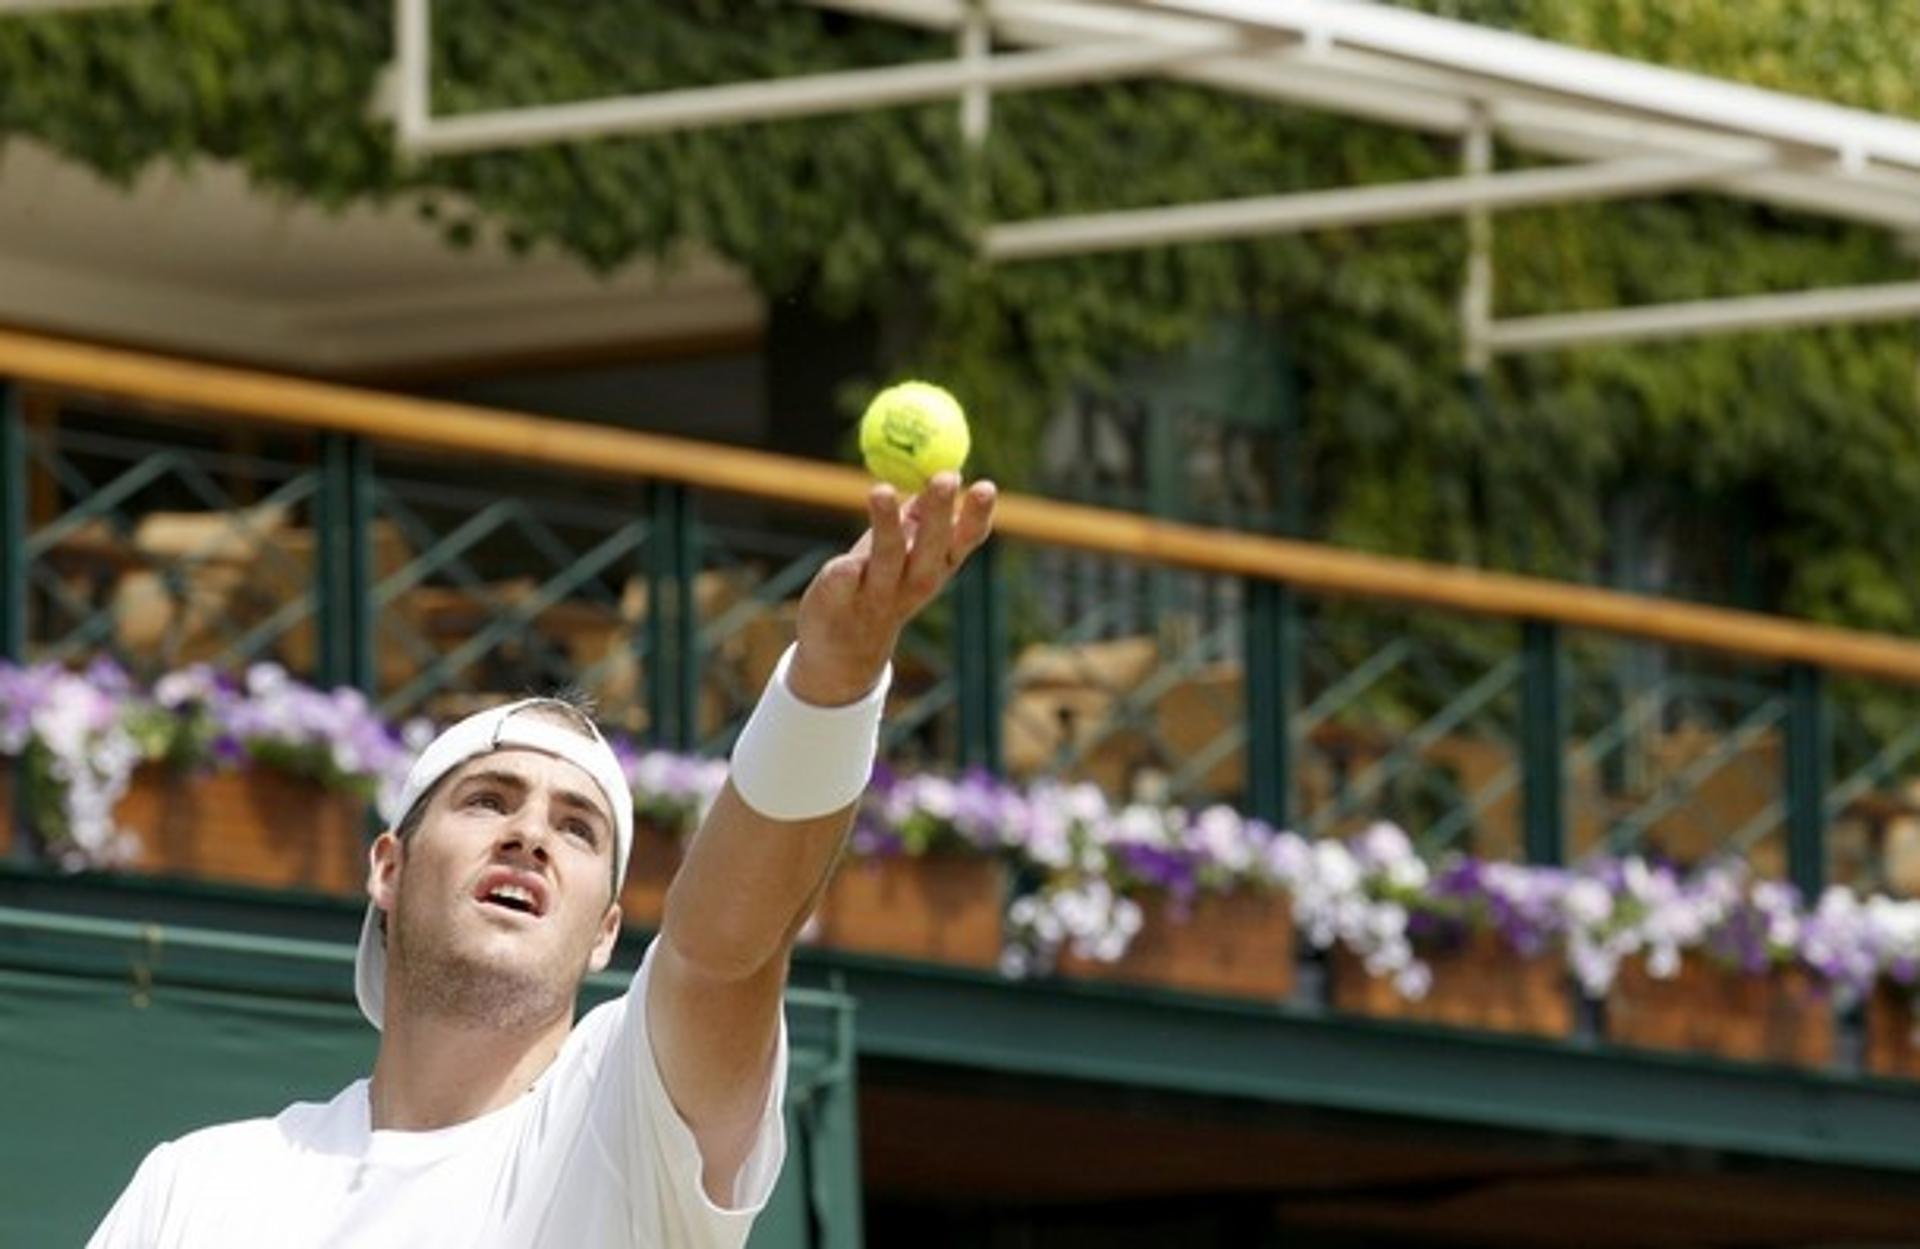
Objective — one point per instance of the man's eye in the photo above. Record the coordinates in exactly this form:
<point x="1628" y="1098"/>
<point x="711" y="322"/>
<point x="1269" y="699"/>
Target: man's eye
<point x="582" y="831"/>
<point x="484" y="798"/>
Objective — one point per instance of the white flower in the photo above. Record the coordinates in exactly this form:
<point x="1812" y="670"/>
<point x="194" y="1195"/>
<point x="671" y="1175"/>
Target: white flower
<point x="1384" y="845"/>
<point x="176" y="688"/>
<point x="1895" y="928"/>
<point x="1085" y="803"/>
<point x="1222" y="838"/>
<point x="1663" y="961"/>
<point x="1137" y="824"/>
<point x="1408" y="873"/>
<point x="1288" y="859"/>
<point x="1595" y="964"/>
<point x="935" y="796"/>
<point x="266" y="680"/>
<point x="1588" y="903"/>
<point x="1049" y="841"/>
<point x="1413" y="981"/>
<point x="1085" y="915"/>
<point x="1335" y="867"/>
<point x="1386" y="923"/>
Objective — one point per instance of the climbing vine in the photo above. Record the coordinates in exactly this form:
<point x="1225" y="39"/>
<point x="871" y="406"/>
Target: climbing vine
<point x="1808" y="435"/>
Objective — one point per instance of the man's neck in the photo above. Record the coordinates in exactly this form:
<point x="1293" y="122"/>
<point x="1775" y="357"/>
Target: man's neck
<point x="436" y="1072"/>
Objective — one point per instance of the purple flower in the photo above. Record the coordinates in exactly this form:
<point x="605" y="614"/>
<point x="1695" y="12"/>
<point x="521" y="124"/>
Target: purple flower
<point x="1090" y="863"/>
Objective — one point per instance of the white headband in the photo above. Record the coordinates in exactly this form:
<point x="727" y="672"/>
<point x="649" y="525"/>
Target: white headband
<point x="497" y="728"/>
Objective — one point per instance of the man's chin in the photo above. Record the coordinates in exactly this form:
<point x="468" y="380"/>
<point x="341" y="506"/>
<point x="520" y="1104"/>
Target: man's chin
<point x="493" y="986"/>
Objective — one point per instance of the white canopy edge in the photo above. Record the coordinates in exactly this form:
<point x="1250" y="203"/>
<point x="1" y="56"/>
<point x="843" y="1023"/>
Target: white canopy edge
<point x="1610" y="83"/>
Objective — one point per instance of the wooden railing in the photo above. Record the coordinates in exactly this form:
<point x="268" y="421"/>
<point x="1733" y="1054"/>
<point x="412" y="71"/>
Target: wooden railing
<point x="1544" y="609"/>
<point x="162" y="384"/>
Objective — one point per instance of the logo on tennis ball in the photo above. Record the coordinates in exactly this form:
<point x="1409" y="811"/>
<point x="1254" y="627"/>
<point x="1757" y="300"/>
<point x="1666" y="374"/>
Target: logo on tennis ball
<point x="906" y="431"/>
<point x="912" y="431"/>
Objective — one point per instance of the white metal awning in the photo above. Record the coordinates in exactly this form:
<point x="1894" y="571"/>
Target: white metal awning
<point x="1623" y="127"/>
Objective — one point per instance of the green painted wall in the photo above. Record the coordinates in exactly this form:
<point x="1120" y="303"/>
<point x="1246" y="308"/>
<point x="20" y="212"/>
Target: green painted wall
<point x="96" y="1068"/>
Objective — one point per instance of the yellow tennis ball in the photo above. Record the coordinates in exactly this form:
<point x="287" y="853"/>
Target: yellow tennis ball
<point x="912" y="431"/>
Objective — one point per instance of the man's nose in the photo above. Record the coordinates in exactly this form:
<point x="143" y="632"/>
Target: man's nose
<point x="527" y="831"/>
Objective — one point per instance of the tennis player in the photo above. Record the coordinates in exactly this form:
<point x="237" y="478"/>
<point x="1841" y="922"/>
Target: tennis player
<point x="491" y="1118"/>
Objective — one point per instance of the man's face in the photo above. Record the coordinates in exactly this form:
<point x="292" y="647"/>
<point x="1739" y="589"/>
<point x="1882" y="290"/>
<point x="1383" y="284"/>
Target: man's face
<point x="500" y="901"/>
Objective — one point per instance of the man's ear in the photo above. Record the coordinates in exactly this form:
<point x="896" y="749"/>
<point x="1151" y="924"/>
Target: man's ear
<point x="384" y="860"/>
<point x="604" y="943"/>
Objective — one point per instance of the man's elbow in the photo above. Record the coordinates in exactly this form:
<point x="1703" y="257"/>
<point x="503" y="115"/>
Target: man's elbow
<point x="718" y="950"/>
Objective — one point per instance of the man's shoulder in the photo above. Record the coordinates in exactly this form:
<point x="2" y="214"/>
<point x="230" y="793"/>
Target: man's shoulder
<point x="301" y="1125"/>
<point x="239" y="1136"/>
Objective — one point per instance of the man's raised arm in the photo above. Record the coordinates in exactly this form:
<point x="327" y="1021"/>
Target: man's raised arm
<point x="751" y="876"/>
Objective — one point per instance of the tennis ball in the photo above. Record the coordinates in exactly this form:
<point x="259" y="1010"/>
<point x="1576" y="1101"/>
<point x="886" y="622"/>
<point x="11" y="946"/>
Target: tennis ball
<point x="912" y="431"/>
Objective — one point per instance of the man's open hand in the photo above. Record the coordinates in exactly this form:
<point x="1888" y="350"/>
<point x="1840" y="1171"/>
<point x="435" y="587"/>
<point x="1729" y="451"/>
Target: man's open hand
<point x="852" y="613"/>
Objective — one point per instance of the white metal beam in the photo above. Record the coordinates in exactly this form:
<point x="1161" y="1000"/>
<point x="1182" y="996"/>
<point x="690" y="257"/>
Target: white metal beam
<point x="1312" y="210"/>
<point x="976" y="48"/>
<point x="413" y="43"/>
<point x="802" y="96"/>
<point x="1476" y="289"/>
<point x="1890" y="301"/>
<point x="1377" y="89"/>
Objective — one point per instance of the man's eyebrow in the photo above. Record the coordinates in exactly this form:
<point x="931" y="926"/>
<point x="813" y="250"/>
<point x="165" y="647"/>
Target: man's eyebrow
<point x="517" y="783"/>
<point x="574" y="798"/>
<point x="496" y="776"/>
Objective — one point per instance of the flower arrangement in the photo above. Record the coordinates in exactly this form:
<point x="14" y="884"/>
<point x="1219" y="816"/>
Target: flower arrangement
<point x="72" y="737"/>
<point x="1084" y="866"/>
<point x="1091" y="864"/>
<point x="334" y="737"/>
<point x="927" y="814"/>
<point x="670" y="791"/>
<point x="78" y="737"/>
<point x="1363" y="895"/>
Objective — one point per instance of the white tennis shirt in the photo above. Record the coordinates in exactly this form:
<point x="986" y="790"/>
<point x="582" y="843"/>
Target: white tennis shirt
<point x="593" y="1155"/>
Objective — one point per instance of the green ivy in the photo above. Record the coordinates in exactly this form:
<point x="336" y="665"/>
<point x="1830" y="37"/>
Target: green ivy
<point x="1812" y="432"/>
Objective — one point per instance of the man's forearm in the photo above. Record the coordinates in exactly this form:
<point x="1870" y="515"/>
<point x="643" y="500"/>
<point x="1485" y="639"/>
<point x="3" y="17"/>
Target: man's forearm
<point x="746" y="886"/>
<point x="761" y="856"/>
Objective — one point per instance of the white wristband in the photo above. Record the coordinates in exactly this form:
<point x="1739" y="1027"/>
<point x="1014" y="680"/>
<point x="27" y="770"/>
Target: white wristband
<point x="795" y="761"/>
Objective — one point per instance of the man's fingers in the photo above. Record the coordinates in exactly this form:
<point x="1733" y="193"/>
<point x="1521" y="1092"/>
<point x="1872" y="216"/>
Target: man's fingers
<point x="976" y="520"/>
<point x="886" y="538"/>
<point x="927" y="557"/>
<point x="839" y="578"/>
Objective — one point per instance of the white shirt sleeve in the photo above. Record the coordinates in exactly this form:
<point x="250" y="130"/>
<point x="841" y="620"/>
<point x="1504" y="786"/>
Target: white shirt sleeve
<point x="134" y="1221"/>
<point x="668" y="1142"/>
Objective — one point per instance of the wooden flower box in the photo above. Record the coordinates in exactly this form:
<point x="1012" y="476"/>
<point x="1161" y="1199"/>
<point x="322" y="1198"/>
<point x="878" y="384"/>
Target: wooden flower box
<point x="6" y="811"/>
<point x="1780" y="1017"/>
<point x="1239" y="945"/>
<point x="253" y="826"/>
<point x="650" y="869"/>
<point x="1893" y="1049"/>
<point x="1479" y="982"/>
<point x="937" y="908"/>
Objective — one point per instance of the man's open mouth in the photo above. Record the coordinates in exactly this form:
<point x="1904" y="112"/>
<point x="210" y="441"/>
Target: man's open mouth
<point x="513" y="891"/>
